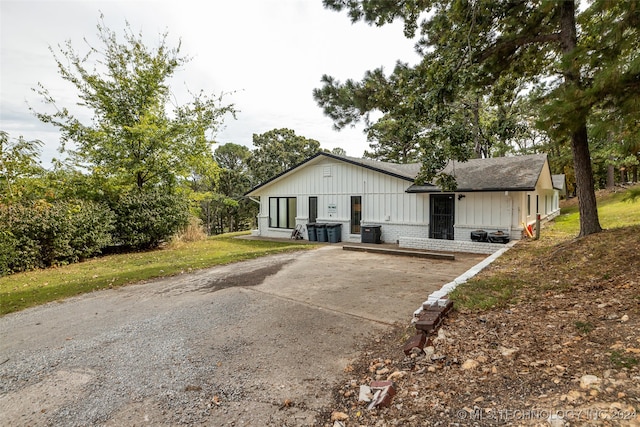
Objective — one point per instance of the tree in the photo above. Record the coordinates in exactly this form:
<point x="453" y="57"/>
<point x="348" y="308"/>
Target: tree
<point x="132" y="136"/>
<point x="18" y="160"/>
<point x="278" y="150"/>
<point x="234" y="182"/>
<point x="479" y="45"/>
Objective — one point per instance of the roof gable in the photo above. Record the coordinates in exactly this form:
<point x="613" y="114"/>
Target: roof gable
<point x="407" y="172"/>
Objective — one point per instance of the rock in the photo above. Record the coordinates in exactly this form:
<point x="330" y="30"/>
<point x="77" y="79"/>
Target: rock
<point x="555" y="420"/>
<point x="573" y="396"/>
<point x="382" y="371"/>
<point x="624" y="318"/>
<point x="508" y="352"/>
<point x="396" y="374"/>
<point x="560" y="368"/>
<point x="339" y="416"/>
<point x="384" y="392"/>
<point x="470" y="364"/>
<point x="586" y="381"/>
<point x="418" y="341"/>
<point x="365" y="394"/>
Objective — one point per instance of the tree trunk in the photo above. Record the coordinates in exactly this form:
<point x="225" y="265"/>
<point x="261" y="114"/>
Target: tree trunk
<point x="589" y="222"/>
<point x="479" y="148"/>
<point x="611" y="179"/>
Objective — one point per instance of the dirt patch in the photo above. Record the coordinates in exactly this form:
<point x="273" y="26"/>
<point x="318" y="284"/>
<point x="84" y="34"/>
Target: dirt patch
<point x="249" y="279"/>
<point x="564" y="351"/>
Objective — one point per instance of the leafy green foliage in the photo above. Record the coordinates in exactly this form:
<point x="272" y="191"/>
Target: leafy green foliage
<point x="18" y="162"/>
<point x="484" y="56"/>
<point x="145" y="219"/>
<point x="41" y="234"/>
<point x="131" y="137"/>
<point x="278" y="150"/>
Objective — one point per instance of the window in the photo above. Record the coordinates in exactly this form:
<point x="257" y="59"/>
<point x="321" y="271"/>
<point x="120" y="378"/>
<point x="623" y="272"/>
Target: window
<point x="282" y="212"/>
<point x="356" y="214"/>
<point x="313" y="209"/>
<point x="528" y="204"/>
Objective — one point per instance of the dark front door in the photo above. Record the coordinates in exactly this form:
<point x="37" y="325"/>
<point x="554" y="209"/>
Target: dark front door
<point x="441" y="207"/>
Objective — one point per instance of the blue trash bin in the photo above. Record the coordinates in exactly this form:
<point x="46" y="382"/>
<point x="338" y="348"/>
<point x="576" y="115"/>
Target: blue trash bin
<point x="311" y="232"/>
<point x="321" y="232"/>
<point x="334" y="233"/>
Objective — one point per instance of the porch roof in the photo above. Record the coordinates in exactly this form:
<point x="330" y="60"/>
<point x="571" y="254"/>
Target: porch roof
<point x="517" y="173"/>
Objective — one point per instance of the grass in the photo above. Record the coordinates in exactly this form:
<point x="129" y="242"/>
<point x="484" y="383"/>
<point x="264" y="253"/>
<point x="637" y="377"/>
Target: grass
<point x="550" y="263"/>
<point x="613" y="210"/>
<point x="23" y="290"/>
<point x="620" y="360"/>
<point x="584" y="327"/>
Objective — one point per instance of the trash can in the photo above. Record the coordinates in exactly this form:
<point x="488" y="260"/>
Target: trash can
<point x="321" y="232"/>
<point x="311" y="232"/>
<point x="498" y="237"/>
<point x="370" y="233"/>
<point x="334" y="233"/>
<point x="479" y="236"/>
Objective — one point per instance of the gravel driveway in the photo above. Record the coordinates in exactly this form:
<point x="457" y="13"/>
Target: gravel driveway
<point x="255" y="343"/>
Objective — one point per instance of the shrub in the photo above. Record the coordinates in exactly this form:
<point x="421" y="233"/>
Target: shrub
<point x="145" y="219"/>
<point x="7" y="251"/>
<point x="41" y="234"/>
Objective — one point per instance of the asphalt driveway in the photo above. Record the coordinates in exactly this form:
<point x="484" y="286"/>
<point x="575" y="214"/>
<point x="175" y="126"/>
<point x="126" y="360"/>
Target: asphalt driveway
<point x="254" y="343"/>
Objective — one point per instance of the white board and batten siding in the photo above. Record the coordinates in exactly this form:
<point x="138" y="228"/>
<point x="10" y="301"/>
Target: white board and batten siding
<point x="489" y="211"/>
<point x="384" y="200"/>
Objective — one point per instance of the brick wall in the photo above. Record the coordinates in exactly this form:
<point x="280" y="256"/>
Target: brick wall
<point x="391" y="232"/>
<point x="449" y="245"/>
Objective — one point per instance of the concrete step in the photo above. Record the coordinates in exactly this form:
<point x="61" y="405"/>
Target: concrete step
<point x="399" y="251"/>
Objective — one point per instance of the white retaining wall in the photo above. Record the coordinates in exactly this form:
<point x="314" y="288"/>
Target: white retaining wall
<point x="449" y="245"/>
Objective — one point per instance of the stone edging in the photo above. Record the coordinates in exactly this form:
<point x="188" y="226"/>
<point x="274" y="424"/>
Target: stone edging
<point x="429" y="316"/>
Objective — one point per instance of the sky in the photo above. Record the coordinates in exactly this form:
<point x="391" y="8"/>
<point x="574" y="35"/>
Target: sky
<point x="267" y="56"/>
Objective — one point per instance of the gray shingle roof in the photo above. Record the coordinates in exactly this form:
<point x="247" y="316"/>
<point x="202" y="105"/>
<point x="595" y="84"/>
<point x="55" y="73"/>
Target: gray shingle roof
<point x="493" y="174"/>
<point x="407" y="171"/>
<point x="559" y="181"/>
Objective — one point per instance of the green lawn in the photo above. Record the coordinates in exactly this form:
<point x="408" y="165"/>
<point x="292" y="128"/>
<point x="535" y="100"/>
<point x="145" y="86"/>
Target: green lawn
<point x="612" y="210"/>
<point x="22" y="290"/>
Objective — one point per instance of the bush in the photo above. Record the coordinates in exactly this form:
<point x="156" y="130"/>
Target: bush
<point x="85" y="227"/>
<point x="7" y="251"/>
<point x="41" y="234"/>
<point x="144" y="220"/>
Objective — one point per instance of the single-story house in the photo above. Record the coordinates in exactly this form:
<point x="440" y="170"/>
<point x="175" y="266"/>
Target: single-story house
<point x="500" y="194"/>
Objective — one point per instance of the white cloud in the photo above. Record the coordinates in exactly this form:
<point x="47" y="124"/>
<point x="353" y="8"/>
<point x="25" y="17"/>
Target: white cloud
<point x="272" y="53"/>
